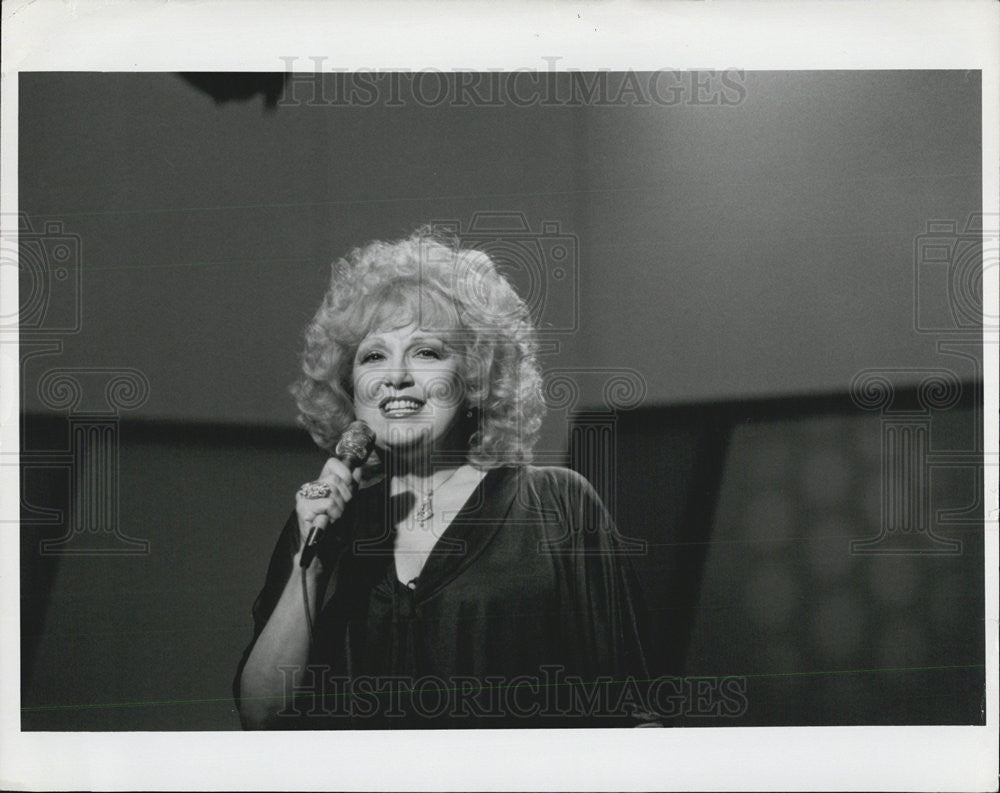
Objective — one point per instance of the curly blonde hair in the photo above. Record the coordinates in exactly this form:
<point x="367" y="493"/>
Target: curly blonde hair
<point x="431" y="281"/>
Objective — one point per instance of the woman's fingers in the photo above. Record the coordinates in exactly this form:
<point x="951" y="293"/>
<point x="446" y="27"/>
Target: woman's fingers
<point x="308" y="508"/>
<point x="343" y="490"/>
<point x="334" y="469"/>
<point x="339" y="477"/>
<point x="341" y="481"/>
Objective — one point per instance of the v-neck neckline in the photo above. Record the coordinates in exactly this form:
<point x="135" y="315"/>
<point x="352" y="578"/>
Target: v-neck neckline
<point x="443" y="541"/>
<point x="468" y="533"/>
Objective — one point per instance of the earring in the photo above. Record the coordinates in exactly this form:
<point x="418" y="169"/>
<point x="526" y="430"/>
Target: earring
<point x="468" y="413"/>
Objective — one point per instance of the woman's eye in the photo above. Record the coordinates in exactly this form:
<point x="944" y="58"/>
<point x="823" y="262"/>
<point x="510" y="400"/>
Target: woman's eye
<point x="372" y="356"/>
<point x="427" y="352"/>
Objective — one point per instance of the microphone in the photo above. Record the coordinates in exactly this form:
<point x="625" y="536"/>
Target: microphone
<point x="352" y="450"/>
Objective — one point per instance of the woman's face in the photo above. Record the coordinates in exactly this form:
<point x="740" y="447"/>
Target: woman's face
<point x="407" y="388"/>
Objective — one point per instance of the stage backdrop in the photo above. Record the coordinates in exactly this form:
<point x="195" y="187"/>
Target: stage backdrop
<point x="676" y="257"/>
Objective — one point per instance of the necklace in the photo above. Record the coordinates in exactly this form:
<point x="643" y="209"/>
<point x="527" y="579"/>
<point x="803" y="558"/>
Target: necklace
<point x="426" y="510"/>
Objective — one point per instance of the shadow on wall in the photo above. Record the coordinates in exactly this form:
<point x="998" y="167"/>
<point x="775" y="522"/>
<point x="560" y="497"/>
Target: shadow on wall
<point x="149" y="641"/>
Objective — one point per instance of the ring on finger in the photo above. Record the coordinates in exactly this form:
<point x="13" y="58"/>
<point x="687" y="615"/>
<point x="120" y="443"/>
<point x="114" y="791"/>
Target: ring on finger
<point x="315" y="490"/>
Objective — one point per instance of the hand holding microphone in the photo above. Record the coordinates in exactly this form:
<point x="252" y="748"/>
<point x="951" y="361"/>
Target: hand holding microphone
<point x="322" y="501"/>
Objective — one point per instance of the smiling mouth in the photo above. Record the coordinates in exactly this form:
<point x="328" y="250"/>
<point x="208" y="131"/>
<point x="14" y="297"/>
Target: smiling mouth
<point x="400" y="406"/>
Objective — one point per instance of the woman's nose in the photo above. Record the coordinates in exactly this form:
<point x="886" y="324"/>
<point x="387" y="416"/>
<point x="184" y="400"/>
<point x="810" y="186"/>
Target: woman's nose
<point x="399" y="376"/>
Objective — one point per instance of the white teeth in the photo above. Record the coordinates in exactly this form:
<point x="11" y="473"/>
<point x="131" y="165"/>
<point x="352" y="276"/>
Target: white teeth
<point x="401" y="404"/>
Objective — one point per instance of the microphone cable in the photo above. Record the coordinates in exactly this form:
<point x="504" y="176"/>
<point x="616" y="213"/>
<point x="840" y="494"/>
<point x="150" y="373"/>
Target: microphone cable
<point x="305" y="601"/>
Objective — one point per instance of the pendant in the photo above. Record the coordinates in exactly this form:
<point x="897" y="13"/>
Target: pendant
<point x="426" y="511"/>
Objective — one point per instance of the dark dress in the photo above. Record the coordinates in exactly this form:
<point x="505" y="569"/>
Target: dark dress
<point x="526" y="614"/>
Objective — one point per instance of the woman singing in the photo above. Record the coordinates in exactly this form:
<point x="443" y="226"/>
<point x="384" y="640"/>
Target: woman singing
<point x="457" y="586"/>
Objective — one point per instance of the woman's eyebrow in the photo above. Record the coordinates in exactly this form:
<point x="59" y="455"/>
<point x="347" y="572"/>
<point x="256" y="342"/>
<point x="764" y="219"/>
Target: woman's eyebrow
<point x="369" y="343"/>
<point x="424" y="338"/>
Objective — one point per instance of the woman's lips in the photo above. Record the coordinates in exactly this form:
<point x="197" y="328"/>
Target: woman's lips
<point x="400" y="407"/>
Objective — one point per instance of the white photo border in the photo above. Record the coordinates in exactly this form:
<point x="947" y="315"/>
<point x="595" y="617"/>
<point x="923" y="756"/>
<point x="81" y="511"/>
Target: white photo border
<point x="249" y="35"/>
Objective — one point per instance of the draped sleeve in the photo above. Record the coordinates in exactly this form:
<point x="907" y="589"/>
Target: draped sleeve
<point x="606" y="616"/>
<point x="280" y="568"/>
<point x="278" y="571"/>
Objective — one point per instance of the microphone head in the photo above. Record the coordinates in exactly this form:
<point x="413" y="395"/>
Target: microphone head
<point x="355" y="444"/>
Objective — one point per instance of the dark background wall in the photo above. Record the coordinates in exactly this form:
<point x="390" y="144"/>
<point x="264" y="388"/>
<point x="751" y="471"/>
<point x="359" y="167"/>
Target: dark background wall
<point x="723" y="258"/>
<point x="772" y="243"/>
<point x="759" y="249"/>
